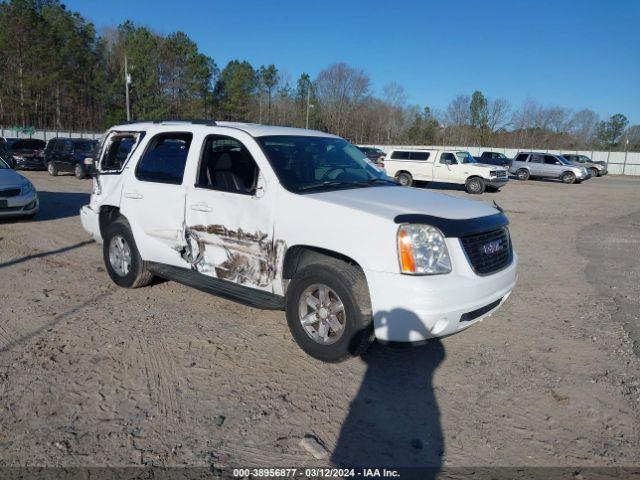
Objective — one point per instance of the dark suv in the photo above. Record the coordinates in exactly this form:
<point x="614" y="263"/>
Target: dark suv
<point x="374" y="154"/>
<point x="70" y="155"/>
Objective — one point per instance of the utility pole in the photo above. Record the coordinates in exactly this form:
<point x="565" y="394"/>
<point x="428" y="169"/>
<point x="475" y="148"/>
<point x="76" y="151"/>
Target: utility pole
<point x="308" y="99"/>
<point x="127" y="82"/>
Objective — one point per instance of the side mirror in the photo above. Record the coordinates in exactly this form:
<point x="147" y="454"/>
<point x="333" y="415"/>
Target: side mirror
<point x="558" y="162"/>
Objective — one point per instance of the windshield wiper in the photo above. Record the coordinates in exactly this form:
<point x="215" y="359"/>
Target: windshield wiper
<point x="376" y="181"/>
<point x="327" y="184"/>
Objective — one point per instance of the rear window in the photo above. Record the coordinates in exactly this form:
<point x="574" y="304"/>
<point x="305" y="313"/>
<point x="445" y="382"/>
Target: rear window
<point x="400" y="155"/>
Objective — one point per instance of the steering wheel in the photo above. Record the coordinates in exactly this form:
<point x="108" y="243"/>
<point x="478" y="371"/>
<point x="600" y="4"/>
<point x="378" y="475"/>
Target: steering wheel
<point x="326" y="174"/>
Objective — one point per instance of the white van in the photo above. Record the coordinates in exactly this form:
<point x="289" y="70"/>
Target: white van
<point x="445" y="166"/>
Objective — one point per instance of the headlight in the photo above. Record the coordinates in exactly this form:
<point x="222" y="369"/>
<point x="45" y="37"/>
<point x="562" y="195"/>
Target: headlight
<point x="422" y="250"/>
<point x="493" y="173"/>
<point x="27" y="188"/>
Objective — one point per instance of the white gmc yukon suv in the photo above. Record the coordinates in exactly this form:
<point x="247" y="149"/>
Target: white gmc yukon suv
<point x="444" y="166"/>
<point x="296" y="220"/>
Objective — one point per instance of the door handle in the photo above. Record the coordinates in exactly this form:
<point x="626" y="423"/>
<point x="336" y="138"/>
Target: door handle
<point x="201" y="207"/>
<point x="133" y="195"/>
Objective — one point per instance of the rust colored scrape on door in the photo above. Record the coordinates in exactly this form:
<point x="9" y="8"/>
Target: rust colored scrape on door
<point x="242" y="257"/>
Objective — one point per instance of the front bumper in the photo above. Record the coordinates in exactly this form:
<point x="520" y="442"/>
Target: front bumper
<point x="410" y="308"/>
<point x="29" y="163"/>
<point x="20" y="205"/>
<point x="496" y="182"/>
<point x="90" y="220"/>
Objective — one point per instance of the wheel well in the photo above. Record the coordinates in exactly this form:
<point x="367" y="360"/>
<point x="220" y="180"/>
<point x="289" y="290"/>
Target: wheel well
<point x="567" y="171"/>
<point x="474" y="176"/>
<point x="403" y="171"/>
<point x="108" y="214"/>
<point x="300" y="256"/>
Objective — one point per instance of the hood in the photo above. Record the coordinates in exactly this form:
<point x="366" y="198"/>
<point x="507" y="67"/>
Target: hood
<point x="388" y="202"/>
<point x="11" y="178"/>
<point x="486" y="165"/>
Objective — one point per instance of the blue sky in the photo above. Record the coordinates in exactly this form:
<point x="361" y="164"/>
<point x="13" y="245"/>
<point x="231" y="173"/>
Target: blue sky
<point x="576" y="54"/>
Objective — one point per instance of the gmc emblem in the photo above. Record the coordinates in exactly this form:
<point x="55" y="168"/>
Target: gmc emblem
<point x="492" y="247"/>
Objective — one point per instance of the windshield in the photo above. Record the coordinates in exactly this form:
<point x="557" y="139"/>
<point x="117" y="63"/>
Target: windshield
<point x="465" y="157"/>
<point x="584" y="159"/>
<point x="85" y="147"/>
<point x="563" y="160"/>
<point x="310" y="163"/>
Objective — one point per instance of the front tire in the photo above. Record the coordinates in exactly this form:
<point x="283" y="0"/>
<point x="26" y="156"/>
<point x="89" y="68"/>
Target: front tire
<point x="52" y="169"/>
<point x="595" y="172"/>
<point x="329" y="310"/>
<point x="121" y="257"/>
<point x="523" y="174"/>
<point x="79" y="171"/>
<point x="475" y="186"/>
<point x="568" y="177"/>
<point x="405" y="179"/>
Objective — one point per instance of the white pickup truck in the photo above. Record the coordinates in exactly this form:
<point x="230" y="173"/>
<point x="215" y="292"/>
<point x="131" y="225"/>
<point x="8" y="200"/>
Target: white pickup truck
<point x="296" y="220"/>
<point x="444" y="166"/>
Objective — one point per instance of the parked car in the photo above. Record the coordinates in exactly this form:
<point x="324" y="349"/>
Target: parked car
<point x="75" y="155"/>
<point x="27" y="153"/>
<point x="494" y="158"/>
<point x="18" y="196"/>
<point x="597" y="169"/>
<point x="5" y="154"/>
<point x="296" y="220"/>
<point x="444" y="166"/>
<point x="374" y="154"/>
<point x="527" y="165"/>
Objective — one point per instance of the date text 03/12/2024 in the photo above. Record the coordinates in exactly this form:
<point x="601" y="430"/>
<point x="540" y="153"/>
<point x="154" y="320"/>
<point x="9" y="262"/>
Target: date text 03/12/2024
<point x="314" y="473"/>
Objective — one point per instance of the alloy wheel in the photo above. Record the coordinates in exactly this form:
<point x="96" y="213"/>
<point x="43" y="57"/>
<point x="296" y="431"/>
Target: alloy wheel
<point x="120" y="255"/>
<point x="322" y="314"/>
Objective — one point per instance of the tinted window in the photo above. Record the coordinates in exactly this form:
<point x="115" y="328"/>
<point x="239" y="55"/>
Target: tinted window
<point x="227" y="165"/>
<point x="522" y="157"/>
<point x="400" y="155"/>
<point x="84" y="147"/>
<point x="67" y="147"/>
<point x="165" y="158"/>
<point x="550" y="160"/>
<point x="419" y="155"/>
<point x="536" y="158"/>
<point x="58" y="146"/>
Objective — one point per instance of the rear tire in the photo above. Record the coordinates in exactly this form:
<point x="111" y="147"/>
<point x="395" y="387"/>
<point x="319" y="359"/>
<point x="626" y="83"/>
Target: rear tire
<point x="52" y="169"/>
<point x="405" y="179"/>
<point x="568" y="177"/>
<point x="475" y="185"/>
<point x="523" y="174"/>
<point x="128" y="271"/>
<point x="347" y="284"/>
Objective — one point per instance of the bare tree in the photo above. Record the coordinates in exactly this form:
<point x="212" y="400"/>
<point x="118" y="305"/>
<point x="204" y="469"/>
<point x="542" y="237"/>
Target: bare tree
<point x="339" y="89"/>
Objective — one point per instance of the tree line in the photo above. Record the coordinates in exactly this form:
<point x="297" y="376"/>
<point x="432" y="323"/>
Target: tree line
<point x="58" y="72"/>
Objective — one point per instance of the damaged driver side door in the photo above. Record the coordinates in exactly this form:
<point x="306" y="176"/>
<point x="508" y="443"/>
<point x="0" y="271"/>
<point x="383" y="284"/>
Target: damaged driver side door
<point x="229" y="217"/>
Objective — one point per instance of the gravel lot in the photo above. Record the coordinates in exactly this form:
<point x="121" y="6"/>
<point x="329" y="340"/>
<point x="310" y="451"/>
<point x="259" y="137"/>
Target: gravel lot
<point x="91" y="374"/>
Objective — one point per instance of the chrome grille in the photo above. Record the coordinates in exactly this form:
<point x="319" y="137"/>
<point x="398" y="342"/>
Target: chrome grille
<point x="488" y="252"/>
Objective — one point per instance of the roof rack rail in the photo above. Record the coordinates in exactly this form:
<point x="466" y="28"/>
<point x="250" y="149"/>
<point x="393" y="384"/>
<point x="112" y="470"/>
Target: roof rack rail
<point x="197" y="121"/>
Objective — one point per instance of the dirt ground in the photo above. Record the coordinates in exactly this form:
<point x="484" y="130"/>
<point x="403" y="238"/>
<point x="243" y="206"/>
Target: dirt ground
<point x="91" y="374"/>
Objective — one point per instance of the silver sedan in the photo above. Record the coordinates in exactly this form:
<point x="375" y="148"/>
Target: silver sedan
<point x="18" y="196"/>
